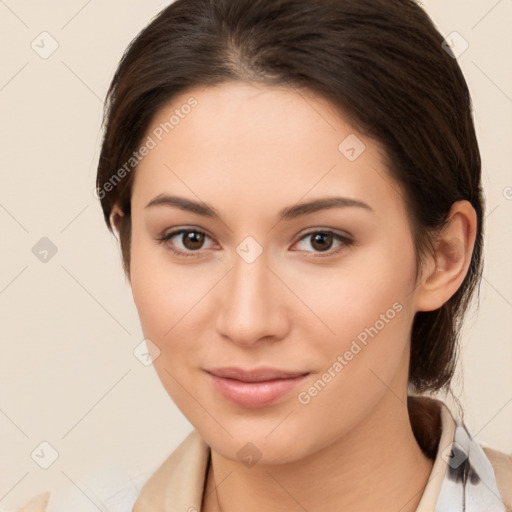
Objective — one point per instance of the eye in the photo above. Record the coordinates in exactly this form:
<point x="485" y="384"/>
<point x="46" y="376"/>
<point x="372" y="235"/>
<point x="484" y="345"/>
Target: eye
<point x="185" y="242"/>
<point x="323" y="241"/>
<point x="190" y="242"/>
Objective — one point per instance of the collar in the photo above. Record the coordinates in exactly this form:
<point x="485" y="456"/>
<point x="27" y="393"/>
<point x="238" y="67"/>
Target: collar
<point x="462" y="478"/>
<point x="468" y="481"/>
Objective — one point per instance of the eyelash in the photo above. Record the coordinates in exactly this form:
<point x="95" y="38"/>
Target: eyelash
<point x="346" y="242"/>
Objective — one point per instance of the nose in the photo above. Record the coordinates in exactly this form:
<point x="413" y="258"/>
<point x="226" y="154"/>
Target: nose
<point x="252" y="303"/>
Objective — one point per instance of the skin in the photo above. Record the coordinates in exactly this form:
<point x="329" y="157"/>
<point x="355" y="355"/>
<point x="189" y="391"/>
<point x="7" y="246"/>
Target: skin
<point x="249" y="151"/>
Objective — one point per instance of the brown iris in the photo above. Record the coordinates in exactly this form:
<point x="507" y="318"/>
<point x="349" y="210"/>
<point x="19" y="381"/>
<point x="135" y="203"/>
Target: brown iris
<point x="321" y="241"/>
<point x="193" y="240"/>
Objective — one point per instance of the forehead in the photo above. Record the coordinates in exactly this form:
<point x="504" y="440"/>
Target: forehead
<point x="263" y="144"/>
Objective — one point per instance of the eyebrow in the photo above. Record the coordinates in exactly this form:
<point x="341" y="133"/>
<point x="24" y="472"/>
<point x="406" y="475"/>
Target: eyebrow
<point x="288" y="213"/>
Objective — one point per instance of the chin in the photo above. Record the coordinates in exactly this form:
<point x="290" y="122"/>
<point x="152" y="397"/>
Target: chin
<point x="267" y="441"/>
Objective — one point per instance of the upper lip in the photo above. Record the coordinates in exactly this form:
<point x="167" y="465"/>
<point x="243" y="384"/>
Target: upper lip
<point x="255" y="375"/>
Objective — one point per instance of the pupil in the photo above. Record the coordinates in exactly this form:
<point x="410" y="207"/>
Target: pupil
<point x="320" y="238"/>
<point x="193" y="240"/>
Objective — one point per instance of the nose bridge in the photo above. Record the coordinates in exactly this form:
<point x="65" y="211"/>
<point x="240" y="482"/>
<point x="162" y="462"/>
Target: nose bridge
<point x="250" y="308"/>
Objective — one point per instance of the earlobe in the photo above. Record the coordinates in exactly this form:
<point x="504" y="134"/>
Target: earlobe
<point x="452" y="257"/>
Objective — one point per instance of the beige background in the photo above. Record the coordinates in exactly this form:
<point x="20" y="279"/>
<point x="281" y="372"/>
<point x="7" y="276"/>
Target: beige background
<point x="68" y="326"/>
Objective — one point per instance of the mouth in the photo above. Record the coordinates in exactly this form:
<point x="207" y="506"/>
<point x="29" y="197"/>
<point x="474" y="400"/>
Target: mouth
<point x="254" y="388"/>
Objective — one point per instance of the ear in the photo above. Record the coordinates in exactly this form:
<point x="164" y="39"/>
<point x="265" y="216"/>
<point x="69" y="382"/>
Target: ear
<point x="116" y="215"/>
<point x="116" y="219"/>
<point x="447" y="267"/>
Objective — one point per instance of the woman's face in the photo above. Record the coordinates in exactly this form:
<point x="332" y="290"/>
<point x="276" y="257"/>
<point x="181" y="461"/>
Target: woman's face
<point x="262" y="280"/>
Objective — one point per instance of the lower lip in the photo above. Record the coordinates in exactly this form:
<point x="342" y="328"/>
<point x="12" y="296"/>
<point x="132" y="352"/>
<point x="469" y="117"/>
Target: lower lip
<point x="254" y="394"/>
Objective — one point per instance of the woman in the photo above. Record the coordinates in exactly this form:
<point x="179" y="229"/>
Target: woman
<point x="296" y="188"/>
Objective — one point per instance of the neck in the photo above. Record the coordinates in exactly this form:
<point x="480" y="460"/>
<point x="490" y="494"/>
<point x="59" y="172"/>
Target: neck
<point x="380" y="455"/>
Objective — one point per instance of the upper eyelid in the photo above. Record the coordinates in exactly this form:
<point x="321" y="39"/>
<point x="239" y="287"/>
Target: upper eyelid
<point x="335" y="232"/>
<point x="181" y="230"/>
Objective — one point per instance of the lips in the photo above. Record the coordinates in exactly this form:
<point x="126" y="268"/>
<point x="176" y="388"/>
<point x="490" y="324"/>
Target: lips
<point x="254" y="388"/>
<point x="256" y="375"/>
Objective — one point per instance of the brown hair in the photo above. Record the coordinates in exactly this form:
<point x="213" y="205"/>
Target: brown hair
<point x="380" y="61"/>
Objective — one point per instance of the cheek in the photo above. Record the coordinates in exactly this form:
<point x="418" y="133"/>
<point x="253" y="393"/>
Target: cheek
<point x="367" y="289"/>
<point x="356" y="365"/>
<point x="366" y="303"/>
<point x="158" y="291"/>
<point x="172" y="302"/>
<point x="167" y="299"/>
<point x="369" y="329"/>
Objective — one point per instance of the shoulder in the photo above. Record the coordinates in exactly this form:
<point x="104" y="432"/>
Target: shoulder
<point x="181" y="475"/>
<point x="502" y="465"/>
<point x="108" y="488"/>
<point x="36" y="504"/>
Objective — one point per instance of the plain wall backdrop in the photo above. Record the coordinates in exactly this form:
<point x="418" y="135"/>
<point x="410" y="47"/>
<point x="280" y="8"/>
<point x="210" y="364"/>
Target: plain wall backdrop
<point x="68" y="327"/>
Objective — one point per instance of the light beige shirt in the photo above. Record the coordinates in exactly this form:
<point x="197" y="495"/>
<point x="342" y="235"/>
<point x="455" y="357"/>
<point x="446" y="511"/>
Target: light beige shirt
<point x="178" y="484"/>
